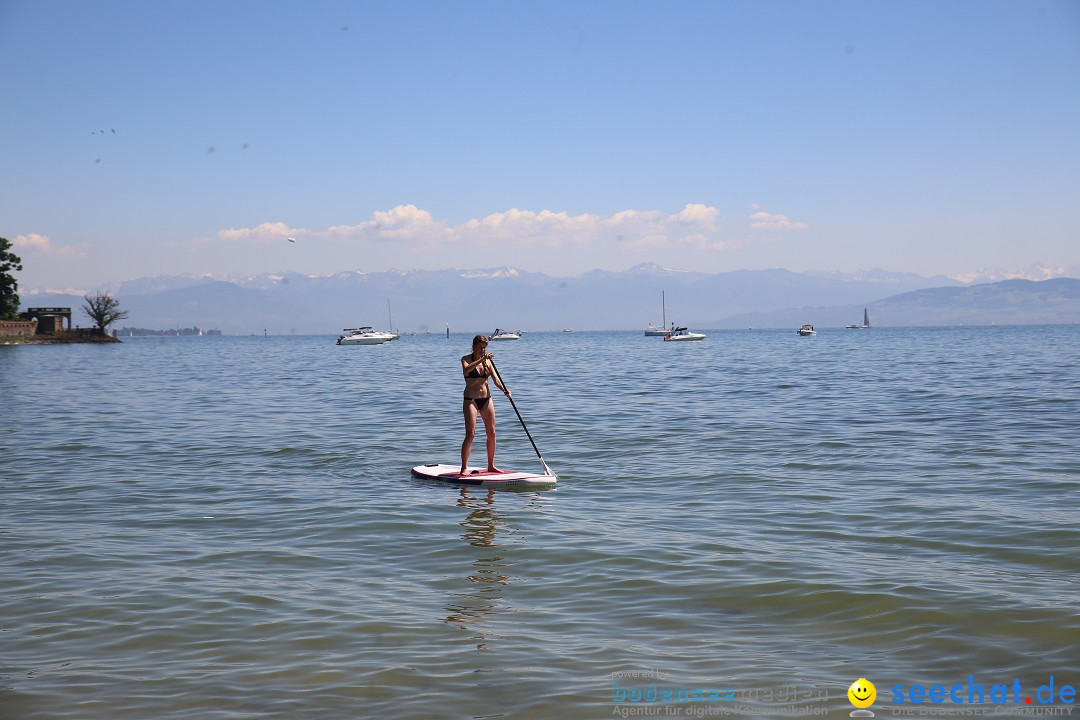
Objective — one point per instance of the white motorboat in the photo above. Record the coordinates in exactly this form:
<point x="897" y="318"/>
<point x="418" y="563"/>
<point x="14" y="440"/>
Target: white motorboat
<point x="682" y="334"/>
<point x="806" y="330"/>
<point x="364" y="336"/>
<point x="504" y="335"/>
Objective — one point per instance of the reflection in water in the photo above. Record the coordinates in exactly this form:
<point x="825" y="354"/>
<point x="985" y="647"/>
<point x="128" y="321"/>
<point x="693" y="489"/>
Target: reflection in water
<point x="489" y="575"/>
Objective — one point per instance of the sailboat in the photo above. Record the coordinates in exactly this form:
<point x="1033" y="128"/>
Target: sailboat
<point x="673" y="332"/>
<point x="393" y="335"/>
<point x="865" y="322"/>
<point x="662" y="329"/>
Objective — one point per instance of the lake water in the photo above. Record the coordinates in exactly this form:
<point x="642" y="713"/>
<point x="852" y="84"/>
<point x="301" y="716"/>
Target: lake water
<point x="226" y="527"/>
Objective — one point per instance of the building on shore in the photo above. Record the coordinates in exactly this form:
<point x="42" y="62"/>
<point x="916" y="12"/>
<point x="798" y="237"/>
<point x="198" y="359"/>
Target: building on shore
<point x="50" y="320"/>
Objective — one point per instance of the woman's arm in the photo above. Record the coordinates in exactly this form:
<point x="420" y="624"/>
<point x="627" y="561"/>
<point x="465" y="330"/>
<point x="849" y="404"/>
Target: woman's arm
<point x="495" y="376"/>
<point x="466" y="366"/>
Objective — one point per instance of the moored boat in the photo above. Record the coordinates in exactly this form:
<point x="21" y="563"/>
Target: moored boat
<point x="364" y="336"/>
<point x="806" y="330"/>
<point x="682" y="335"/>
<point x="865" y="322"/>
<point x="500" y="334"/>
<point x="390" y="330"/>
<point x="661" y="329"/>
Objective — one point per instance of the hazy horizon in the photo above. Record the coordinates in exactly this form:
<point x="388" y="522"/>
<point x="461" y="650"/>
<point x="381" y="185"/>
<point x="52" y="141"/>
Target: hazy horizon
<point x="521" y="300"/>
<point x="1035" y="272"/>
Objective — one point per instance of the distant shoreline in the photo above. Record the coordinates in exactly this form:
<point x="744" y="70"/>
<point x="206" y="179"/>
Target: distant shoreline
<point x="60" y="340"/>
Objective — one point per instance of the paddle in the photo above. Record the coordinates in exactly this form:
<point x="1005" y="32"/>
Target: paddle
<point x="547" y="470"/>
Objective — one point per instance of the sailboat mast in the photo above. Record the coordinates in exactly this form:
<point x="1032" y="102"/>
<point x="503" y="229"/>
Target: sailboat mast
<point x="389" y="315"/>
<point x="663" y="309"/>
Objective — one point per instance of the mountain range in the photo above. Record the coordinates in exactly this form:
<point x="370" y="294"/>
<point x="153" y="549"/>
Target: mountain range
<point x="481" y="300"/>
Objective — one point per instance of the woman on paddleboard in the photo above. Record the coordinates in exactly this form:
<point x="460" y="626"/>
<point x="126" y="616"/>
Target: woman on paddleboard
<point x="477" y="369"/>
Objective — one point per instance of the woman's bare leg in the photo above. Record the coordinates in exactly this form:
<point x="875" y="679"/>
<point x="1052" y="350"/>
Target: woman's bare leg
<point x="468" y="409"/>
<point x="488" y="414"/>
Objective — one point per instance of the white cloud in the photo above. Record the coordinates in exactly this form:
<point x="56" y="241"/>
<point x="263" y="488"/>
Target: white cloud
<point x="266" y="233"/>
<point x="637" y="229"/>
<point x="33" y="240"/>
<point x="634" y="218"/>
<point x="649" y="242"/>
<point x="404" y="222"/>
<point x="762" y="220"/>
<point x="524" y="227"/>
<point x="43" y="245"/>
<point x="696" y="214"/>
<point x="695" y="226"/>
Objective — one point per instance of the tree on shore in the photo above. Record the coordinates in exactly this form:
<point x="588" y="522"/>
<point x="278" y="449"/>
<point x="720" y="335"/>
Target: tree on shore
<point x="103" y="309"/>
<point x="9" y="286"/>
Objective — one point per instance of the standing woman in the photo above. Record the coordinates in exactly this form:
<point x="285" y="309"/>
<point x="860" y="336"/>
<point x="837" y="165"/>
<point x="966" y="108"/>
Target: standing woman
<point x="477" y="370"/>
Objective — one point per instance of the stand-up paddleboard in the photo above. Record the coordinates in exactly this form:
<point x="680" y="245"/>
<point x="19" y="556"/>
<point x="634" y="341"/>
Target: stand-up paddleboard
<point x="483" y="478"/>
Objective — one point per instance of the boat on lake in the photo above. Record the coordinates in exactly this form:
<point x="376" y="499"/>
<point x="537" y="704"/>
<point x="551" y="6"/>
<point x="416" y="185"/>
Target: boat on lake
<point x="661" y="329"/>
<point x="500" y="334"/>
<point x="865" y="322"/>
<point x="682" y="335"/>
<point x="806" y="330"/>
<point x="390" y="316"/>
<point x="364" y="336"/>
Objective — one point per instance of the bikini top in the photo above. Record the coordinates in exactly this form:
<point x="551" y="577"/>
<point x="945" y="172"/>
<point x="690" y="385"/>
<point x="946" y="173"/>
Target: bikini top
<point x="475" y="374"/>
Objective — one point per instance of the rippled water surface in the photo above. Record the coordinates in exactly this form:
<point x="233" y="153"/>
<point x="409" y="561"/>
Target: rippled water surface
<point x="226" y="527"/>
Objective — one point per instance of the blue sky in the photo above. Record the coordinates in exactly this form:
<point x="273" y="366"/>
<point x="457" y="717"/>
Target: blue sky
<point x="932" y="137"/>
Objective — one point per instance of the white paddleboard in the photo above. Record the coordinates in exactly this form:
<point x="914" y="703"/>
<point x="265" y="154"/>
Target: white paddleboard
<point x="483" y="478"/>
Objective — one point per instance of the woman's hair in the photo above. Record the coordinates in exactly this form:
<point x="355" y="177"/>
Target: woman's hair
<point x="477" y="340"/>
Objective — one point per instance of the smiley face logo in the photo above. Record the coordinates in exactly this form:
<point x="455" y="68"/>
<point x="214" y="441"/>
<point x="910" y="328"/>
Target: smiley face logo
<point x="862" y="693"/>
